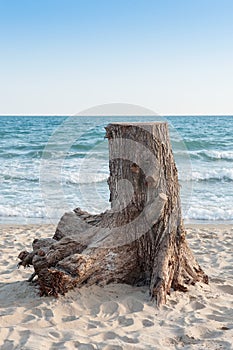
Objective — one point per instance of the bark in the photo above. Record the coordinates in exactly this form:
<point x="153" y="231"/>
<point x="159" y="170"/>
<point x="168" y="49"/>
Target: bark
<point x="141" y="240"/>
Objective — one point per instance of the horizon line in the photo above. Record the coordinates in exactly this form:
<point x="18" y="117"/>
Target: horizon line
<point x="115" y="115"/>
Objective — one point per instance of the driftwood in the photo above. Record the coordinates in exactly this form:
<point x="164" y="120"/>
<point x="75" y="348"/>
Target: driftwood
<point x="141" y="240"/>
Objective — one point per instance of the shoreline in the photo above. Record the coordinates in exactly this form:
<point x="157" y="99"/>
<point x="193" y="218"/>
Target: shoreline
<point x="189" y="223"/>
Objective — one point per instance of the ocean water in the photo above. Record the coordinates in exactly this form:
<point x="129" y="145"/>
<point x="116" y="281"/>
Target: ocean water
<point x="52" y="164"/>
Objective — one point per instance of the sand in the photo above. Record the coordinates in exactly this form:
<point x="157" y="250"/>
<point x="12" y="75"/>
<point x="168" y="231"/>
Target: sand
<point x="118" y="316"/>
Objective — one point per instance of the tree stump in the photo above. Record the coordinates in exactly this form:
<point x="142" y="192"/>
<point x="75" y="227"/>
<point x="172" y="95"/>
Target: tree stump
<point x="141" y="240"/>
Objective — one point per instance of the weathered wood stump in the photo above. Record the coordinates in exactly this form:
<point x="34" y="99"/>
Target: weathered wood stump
<point x="140" y="240"/>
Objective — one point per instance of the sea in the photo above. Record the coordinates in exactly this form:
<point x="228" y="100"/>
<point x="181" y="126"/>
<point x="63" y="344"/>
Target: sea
<point x="53" y="164"/>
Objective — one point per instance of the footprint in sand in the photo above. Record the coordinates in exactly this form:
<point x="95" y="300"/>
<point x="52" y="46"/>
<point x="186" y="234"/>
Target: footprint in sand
<point x="58" y="345"/>
<point x="8" y="345"/>
<point x="226" y="289"/>
<point x="129" y="340"/>
<point x="125" y="322"/>
<point x="95" y="324"/>
<point x="69" y="318"/>
<point x="84" y="346"/>
<point x="147" y="323"/>
<point x="37" y="312"/>
<point x="216" y="280"/>
<point x="110" y="335"/>
<point x="91" y="326"/>
<point x="109" y="308"/>
<point x="204" y="332"/>
<point x="24" y="337"/>
<point x="48" y="313"/>
<point x="54" y="334"/>
<point x="29" y="318"/>
<point x="132" y="305"/>
<point x="220" y="317"/>
<point x="197" y="305"/>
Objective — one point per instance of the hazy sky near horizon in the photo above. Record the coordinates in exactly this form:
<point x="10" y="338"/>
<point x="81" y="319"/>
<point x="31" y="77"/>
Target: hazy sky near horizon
<point x="63" y="56"/>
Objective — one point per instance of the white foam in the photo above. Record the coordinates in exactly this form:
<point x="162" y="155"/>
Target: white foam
<point x="210" y="214"/>
<point x="212" y="154"/>
<point x="86" y="178"/>
<point x="219" y="154"/>
<point x="214" y="174"/>
<point x="9" y="211"/>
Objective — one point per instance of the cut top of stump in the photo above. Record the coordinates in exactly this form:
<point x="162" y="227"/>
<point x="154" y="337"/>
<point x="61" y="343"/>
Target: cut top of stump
<point x="137" y="130"/>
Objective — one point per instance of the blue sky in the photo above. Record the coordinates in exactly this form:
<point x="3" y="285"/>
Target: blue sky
<point x="63" y="56"/>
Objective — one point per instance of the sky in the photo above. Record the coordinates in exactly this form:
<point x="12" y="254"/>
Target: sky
<point x="59" y="57"/>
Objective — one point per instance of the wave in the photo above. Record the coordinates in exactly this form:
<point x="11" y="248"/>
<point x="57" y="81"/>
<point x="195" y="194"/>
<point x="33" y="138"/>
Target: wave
<point x="207" y="154"/>
<point x="8" y="211"/>
<point x="213" y="214"/>
<point x="225" y="155"/>
<point x="86" y="179"/>
<point x="191" y="144"/>
<point x="223" y="174"/>
<point x="29" y="178"/>
<point x="21" y="155"/>
<point x="92" y="154"/>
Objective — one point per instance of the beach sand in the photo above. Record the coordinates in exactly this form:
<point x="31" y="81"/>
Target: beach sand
<point x="118" y="316"/>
